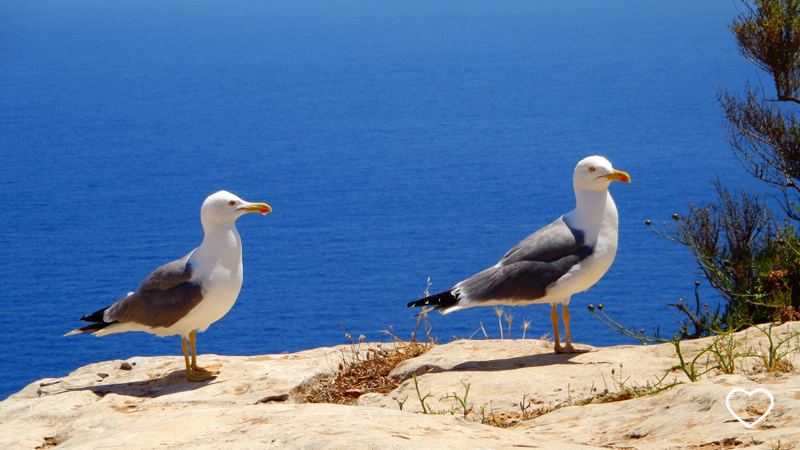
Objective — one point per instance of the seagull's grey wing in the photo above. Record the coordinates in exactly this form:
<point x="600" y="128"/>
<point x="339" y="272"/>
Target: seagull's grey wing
<point x="163" y="298"/>
<point x="530" y="267"/>
<point x="550" y="243"/>
<point x="169" y="275"/>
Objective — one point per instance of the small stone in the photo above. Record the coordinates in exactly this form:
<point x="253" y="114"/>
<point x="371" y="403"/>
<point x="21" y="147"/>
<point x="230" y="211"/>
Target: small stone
<point x="126" y="366"/>
<point x="102" y="375"/>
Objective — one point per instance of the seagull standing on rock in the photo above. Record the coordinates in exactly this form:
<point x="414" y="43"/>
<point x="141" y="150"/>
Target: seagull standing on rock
<point x="566" y="257"/>
<point x="187" y="295"/>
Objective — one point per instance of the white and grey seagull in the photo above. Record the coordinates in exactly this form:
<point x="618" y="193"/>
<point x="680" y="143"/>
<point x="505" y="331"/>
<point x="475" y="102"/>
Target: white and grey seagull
<point x="187" y="295"/>
<point x="564" y="258"/>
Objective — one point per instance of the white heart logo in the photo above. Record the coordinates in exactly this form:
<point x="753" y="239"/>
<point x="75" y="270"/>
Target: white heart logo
<point x="748" y="425"/>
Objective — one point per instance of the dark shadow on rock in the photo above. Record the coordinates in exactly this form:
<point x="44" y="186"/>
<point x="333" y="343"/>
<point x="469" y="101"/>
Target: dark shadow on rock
<point x="171" y="384"/>
<point x="518" y="362"/>
<point x="494" y="365"/>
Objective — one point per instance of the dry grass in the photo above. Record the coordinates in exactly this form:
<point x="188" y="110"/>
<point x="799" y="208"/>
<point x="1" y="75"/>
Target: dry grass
<point x="508" y="419"/>
<point x="364" y="368"/>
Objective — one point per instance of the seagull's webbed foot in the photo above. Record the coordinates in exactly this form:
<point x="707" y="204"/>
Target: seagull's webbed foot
<point x="569" y="349"/>
<point x="199" y="369"/>
<point x="202" y="371"/>
<point x="195" y="376"/>
<point x="193" y="372"/>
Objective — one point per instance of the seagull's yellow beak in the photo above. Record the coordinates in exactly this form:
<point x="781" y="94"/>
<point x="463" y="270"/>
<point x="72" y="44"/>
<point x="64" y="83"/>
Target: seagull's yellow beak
<point x="618" y="175"/>
<point x="262" y="208"/>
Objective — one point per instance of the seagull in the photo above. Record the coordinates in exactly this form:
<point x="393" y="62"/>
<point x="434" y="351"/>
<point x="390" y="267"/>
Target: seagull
<point x="187" y="295"/>
<point x="564" y="258"/>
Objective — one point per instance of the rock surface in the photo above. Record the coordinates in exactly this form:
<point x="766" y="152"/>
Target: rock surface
<point x="145" y="403"/>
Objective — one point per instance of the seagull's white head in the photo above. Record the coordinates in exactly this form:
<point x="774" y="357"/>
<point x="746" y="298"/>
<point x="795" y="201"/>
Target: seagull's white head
<point x="224" y="207"/>
<point x="595" y="174"/>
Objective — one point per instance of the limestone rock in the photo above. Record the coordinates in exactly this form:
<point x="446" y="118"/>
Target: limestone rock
<point x="251" y="403"/>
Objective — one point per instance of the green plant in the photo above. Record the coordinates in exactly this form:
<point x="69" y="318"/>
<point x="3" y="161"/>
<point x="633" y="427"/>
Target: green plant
<point x="768" y="35"/>
<point x="624" y="391"/>
<point x="703" y="320"/>
<point x="461" y="400"/>
<point x="401" y="403"/>
<point x="725" y="348"/>
<point x="689" y="367"/>
<point x="425" y="408"/>
<point x="774" y="357"/>
<point x="483" y="413"/>
<point x="753" y="264"/>
<point x="725" y="351"/>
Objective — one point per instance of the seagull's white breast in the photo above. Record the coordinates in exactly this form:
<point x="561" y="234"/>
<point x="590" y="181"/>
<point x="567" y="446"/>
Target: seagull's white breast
<point x="601" y="234"/>
<point x="217" y="267"/>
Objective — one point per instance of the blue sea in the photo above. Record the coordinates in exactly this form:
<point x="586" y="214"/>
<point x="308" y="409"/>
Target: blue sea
<point x="396" y="141"/>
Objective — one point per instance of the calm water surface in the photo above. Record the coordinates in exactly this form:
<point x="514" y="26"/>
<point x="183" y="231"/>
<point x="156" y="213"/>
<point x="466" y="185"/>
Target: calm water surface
<point x="396" y="141"/>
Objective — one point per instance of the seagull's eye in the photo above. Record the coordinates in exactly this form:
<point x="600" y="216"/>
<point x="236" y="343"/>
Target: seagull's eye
<point x="592" y="169"/>
<point x="231" y="202"/>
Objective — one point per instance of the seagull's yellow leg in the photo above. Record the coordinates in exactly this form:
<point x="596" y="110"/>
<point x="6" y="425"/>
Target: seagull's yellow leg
<point x="192" y="342"/>
<point x="554" y="319"/>
<point x="565" y="315"/>
<point x="186" y="359"/>
<point x="191" y="374"/>
<point x="199" y="372"/>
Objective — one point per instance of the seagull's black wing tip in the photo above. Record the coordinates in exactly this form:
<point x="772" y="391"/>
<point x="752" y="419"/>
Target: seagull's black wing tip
<point x="438" y="301"/>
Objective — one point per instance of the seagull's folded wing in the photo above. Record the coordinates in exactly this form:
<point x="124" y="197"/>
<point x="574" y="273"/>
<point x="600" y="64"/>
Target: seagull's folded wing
<point x="529" y="268"/>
